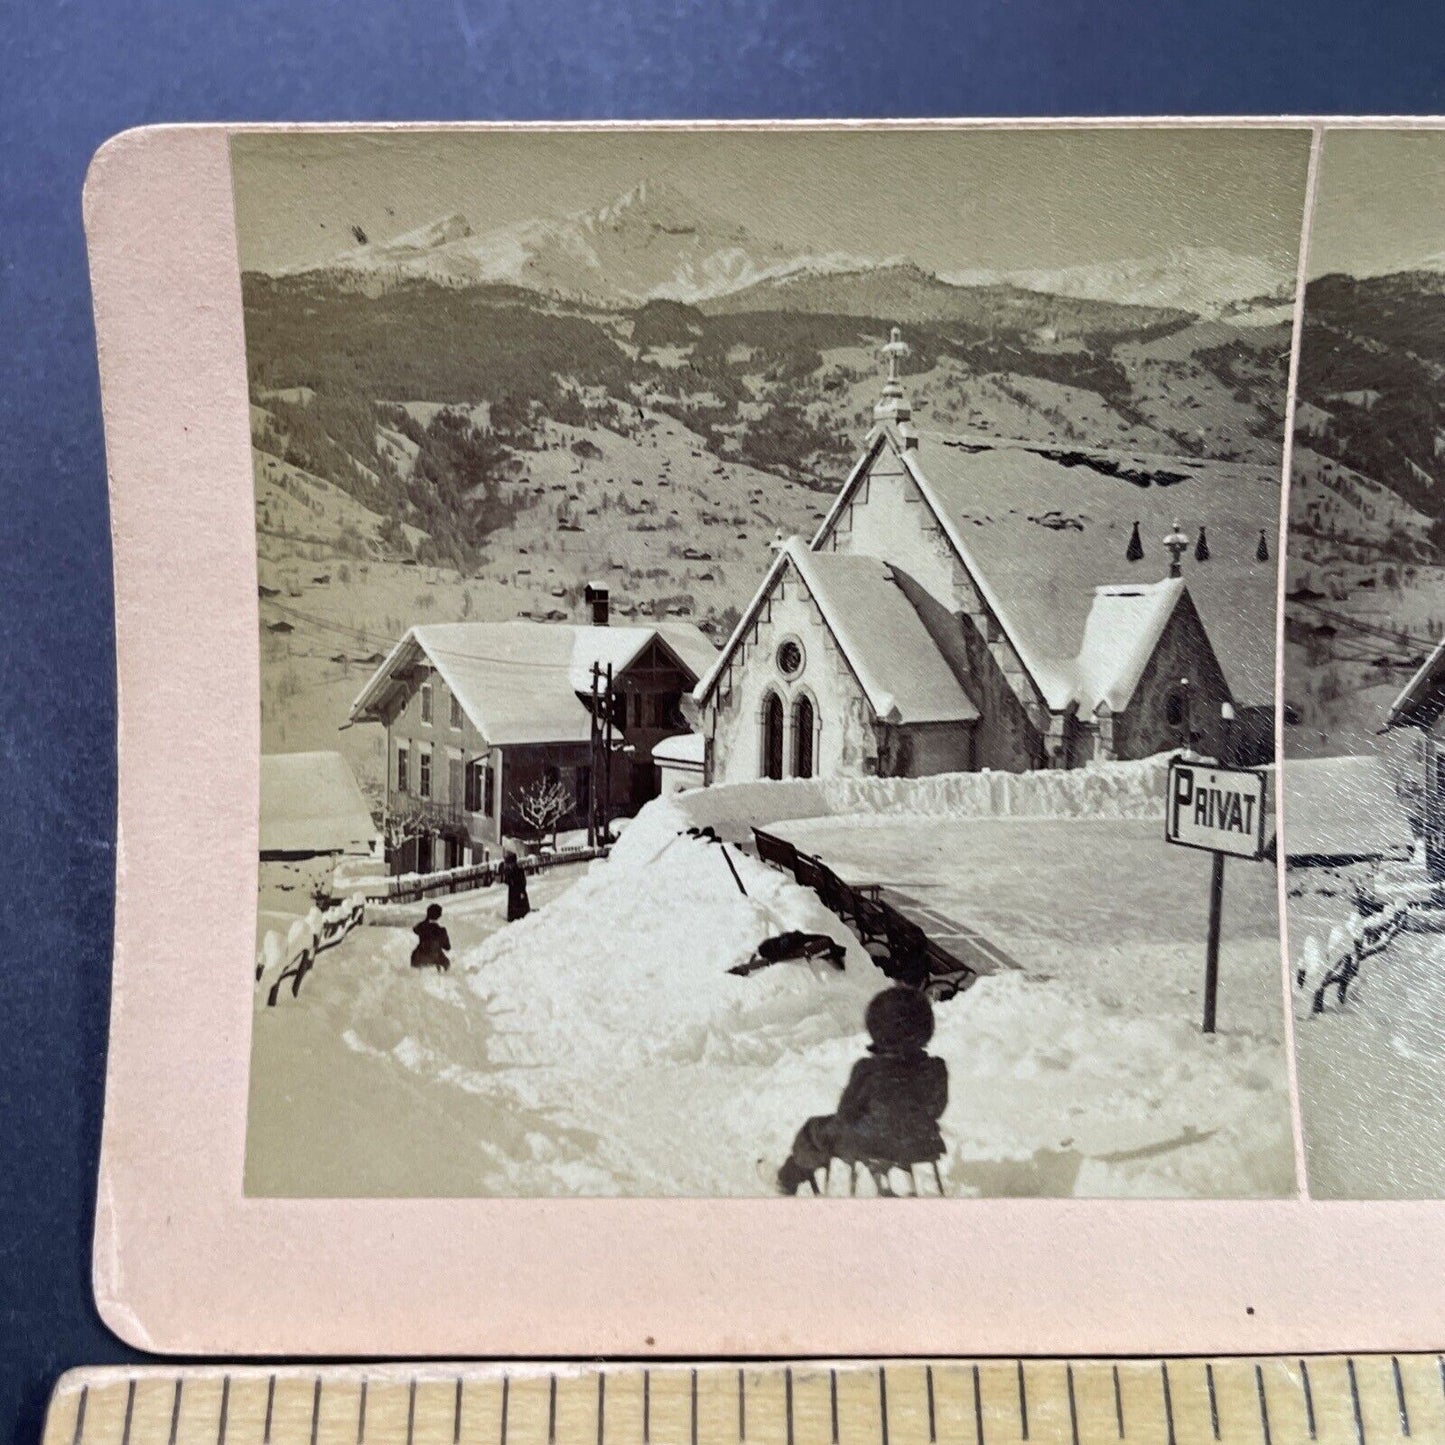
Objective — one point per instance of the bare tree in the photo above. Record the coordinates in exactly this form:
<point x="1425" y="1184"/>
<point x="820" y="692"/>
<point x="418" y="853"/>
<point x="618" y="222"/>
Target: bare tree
<point x="417" y="821"/>
<point x="540" y="807"/>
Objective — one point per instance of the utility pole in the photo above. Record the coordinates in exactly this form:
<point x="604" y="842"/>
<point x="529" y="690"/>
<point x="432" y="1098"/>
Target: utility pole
<point x="607" y="756"/>
<point x="595" y="771"/>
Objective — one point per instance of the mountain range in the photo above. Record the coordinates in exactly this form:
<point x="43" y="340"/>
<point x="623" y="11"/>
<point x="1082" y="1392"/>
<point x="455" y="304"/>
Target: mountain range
<point x="655" y="242"/>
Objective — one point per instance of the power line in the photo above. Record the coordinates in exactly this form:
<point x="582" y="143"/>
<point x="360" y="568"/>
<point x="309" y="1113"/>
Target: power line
<point x="458" y="654"/>
<point x="1394" y="635"/>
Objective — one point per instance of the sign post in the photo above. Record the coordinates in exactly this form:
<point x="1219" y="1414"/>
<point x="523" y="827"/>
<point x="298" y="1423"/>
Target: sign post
<point x="1222" y="812"/>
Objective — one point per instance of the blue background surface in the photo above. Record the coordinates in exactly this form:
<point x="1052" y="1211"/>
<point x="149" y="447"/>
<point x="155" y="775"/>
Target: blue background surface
<point x="73" y="72"/>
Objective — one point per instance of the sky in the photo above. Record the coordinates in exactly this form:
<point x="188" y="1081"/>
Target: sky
<point x="956" y="200"/>
<point x="1380" y="205"/>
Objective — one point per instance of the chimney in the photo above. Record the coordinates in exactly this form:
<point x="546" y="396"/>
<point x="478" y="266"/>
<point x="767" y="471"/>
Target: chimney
<point x="1176" y="544"/>
<point x="596" y="598"/>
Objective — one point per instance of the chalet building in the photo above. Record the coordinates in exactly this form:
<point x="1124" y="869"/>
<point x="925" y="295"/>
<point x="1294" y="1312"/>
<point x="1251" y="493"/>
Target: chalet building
<point x="969" y="603"/>
<point x="1421" y="706"/>
<point x="478" y="713"/>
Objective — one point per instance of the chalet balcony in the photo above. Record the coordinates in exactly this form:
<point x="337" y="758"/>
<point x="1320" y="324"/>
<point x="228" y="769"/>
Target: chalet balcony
<point x="438" y="817"/>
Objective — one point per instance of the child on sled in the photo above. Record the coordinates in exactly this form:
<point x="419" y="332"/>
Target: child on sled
<point x="889" y="1112"/>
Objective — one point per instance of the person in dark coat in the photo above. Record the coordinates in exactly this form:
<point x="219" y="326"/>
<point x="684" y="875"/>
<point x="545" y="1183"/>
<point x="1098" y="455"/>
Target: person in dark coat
<point x="432" y="942"/>
<point x="515" y="877"/>
<point x="893" y="1100"/>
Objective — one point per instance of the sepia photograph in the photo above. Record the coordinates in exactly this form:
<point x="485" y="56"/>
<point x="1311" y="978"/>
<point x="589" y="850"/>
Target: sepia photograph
<point x="768" y="655"/>
<point x="1365" y="672"/>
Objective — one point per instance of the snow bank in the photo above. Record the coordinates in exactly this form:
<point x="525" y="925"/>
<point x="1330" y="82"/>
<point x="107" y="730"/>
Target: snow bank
<point x="1106" y="790"/>
<point x="642" y="953"/>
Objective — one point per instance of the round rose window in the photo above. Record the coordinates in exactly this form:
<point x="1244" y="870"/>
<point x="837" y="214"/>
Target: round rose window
<point x="790" y="658"/>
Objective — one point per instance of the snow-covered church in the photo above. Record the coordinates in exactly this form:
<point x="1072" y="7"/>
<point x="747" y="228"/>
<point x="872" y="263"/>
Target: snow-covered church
<point x="970" y="603"/>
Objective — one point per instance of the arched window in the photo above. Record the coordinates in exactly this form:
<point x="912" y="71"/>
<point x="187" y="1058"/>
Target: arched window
<point x="773" y="736"/>
<point x="803" y="725"/>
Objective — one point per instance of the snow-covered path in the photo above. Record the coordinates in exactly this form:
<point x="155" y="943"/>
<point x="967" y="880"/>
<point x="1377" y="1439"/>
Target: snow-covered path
<point x="377" y="1080"/>
<point x="1372" y="1078"/>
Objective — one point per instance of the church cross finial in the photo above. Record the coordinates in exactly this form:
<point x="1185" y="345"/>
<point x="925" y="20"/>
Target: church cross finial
<point x="893" y="405"/>
<point x="894" y="350"/>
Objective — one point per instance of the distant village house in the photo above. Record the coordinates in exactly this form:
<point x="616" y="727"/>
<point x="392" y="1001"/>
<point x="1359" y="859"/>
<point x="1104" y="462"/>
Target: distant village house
<point x="479" y="714"/>
<point x="311" y="807"/>
<point x="1421" y="706"/>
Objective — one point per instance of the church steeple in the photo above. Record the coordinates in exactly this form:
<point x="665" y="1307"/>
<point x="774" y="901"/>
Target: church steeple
<point x="892" y="406"/>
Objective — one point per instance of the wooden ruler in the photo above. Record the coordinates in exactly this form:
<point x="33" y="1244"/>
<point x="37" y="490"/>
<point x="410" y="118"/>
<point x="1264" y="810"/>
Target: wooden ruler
<point x="1352" y="1400"/>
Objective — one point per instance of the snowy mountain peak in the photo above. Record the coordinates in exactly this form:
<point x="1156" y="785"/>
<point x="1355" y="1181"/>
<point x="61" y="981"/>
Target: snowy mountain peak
<point x="652" y="242"/>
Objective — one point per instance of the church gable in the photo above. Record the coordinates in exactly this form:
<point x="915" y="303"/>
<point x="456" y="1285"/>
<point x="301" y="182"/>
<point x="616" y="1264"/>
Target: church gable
<point x="785" y="656"/>
<point x="1178" y="699"/>
<point x="883" y="512"/>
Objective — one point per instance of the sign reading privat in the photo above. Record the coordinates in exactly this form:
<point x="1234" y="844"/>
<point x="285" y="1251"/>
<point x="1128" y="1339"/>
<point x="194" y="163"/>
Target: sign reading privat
<point x="1218" y="809"/>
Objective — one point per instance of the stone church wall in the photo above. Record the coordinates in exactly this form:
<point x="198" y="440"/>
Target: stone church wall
<point x="845" y="743"/>
<point x="1144" y="728"/>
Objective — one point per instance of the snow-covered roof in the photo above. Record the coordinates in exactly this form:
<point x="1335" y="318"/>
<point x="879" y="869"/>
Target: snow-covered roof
<point x="686" y="750"/>
<point x="519" y="681"/>
<point x="1042" y="527"/>
<point x="1342" y="808"/>
<point x="1422" y="699"/>
<point x="312" y="803"/>
<point x="1122" y="630"/>
<point x="897" y="663"/>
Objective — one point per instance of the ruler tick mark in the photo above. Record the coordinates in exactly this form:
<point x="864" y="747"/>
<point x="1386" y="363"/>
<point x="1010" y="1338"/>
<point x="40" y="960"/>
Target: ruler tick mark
<point x="129" y="1412"/>
<point x="410" y="1414"/>
<point x="552" y="1410"/>
<point x="1169" y="1400"/>
<point x="506" y="1391"/>
<point x="647" y="1407"/>
<point x="694" y="1407"/>
<point x="1023" y="1401"/>
<point x="883" y="1404"/>
<point x="361" y="1414"/>
<point x="270" y="1405"/>
<point x="1118" y="1403"/>
<point x="788" y="1401"/>
<point x="225" y="1407"/>
<point x="601" y="1403"/>
<point x="1400" y="1397"/>
<point x="315" y="1409"/>
<point x="457" y="1414"/>
<point x="80" y="1415"/>
<point x="977" y="1406"/>
<point x="742" y="1407"/>
<point x="1355" y="1399"/>
<point x="1304" y="1375"/>
<point x="932" y="1414"/>
<point x="1073" y="1406"/>
<point x="1263" y="1403"/>
<point x="833" y="1402"/>
<point x="176" y="1409"/>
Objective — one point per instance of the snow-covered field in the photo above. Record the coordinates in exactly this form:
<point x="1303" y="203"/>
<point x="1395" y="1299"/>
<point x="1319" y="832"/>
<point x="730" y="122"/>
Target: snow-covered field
<point x="1086" y="1072"/>
<point x="601" y="1047"/>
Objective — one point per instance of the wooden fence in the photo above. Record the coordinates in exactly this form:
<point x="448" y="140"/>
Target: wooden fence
<point x="413" y="887"/>
<point x="904" y="951"/>
<point x="1369" y="930"/>
<point x="293" y="957"/>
